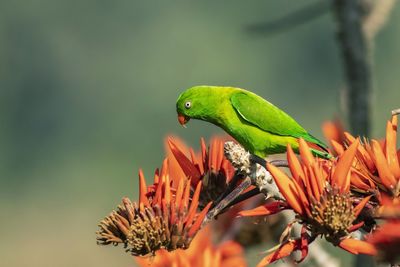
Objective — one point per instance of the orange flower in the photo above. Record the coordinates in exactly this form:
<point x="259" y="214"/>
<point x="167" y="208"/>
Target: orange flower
<point x="386" y="239"/>
<point x="201" y="253"/>
<point x="389" y="208"/>
<point x="377" y="163"/>
<point x="333" y="132"/>
<point x="319" y="194"/>
<point x="209" y="166"/>
<point x="166" y="217"/>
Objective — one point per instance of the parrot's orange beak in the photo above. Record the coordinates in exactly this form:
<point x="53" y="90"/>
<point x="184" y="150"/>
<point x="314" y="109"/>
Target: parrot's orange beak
<point x="183" y="119"/>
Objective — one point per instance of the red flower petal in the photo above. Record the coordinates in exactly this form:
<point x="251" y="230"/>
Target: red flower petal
<point x="199" y="220"/>
<point x="187" y="166"/>
<point x="385" y="175"/>
<point x="305" y="153"/>
<point x="194" y="204"/>
<point x="283" y="251"/>
<point x="286" y="186"/>
<point x="267" y="209"/>
<point x="391" y="153"/>
<point x="361" y="205"/>
<point x="339" y="149"/>
<point x="142" y="189"/>
<point x="294" y="164"/>
<point x="304" y="244"/>
<point x="340" y="176"/>
<point x="355" y="246"/>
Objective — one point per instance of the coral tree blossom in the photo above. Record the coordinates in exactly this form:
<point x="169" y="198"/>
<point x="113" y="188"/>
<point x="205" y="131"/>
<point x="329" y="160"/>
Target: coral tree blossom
<point x="377" y="163"/>
<point x="166" y="217"/>
<point x="319" y="194"/>
<point x="386" y="238"/>
<point x="209" y="166"/>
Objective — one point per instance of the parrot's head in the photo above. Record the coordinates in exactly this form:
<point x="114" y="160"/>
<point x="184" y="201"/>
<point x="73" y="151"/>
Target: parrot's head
<point x="194" y="103"/>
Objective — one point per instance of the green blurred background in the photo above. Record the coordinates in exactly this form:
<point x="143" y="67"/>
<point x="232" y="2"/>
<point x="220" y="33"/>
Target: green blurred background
<point x="87" y="96"/>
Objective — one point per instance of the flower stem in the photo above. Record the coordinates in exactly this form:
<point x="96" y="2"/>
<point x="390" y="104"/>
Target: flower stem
<point x="249" y="194"/>
<point x="227" y="200"/>
<point x="396" y="112"/>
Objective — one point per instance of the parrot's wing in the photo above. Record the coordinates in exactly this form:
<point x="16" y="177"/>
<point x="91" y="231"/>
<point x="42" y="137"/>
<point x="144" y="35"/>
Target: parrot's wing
<point x="264" y="115"/>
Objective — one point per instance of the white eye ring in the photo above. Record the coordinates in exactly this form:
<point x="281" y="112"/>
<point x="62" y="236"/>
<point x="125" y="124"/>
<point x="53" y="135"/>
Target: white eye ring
<point x="188" y="104"/>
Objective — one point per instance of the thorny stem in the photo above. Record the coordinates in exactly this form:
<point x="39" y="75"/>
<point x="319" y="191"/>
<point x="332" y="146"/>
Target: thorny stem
<point x="263" y="162"/>
<point x="246" y="164"/>
<point x="227" y="200"/>
<point x="279" y="163"/>
<point x="235" y="179"/>
<point x="233" y="194"/>
<point x="249" y="194"/>
<point x="396" y="112"/>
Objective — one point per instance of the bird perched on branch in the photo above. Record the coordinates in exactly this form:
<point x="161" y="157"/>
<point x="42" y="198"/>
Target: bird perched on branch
<point x="259" y="126"/>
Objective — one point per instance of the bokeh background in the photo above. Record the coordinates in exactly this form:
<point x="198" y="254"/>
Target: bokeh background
<point x="87" y="97"/>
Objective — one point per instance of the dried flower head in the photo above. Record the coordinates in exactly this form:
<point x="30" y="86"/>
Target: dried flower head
<point x="142" y="232"/>
<point x="166" y="217"/>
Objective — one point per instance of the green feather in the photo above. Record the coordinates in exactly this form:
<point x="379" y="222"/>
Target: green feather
<point x="259" y="126"/>
<point x="268" y="117"/>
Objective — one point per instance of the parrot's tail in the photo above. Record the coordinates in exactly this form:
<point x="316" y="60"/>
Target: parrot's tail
<point x="316" y="145"/>
<point x="321" y="154"/>
<point x="323" y="147"/>
<point x="319" y="150"/>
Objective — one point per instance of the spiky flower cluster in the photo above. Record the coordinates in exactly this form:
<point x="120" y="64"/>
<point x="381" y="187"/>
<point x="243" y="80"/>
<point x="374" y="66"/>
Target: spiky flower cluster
<point x="166" y="217"/>
<point x="333" y="214"/>
<point x="209" y="166"/>
<point x="377" y="163"/>
<point x="331" y="198"/>
<point x="142" y="231"/>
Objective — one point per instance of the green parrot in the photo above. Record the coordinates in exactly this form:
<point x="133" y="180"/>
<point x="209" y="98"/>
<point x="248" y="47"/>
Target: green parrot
<point x="259" y="126"/>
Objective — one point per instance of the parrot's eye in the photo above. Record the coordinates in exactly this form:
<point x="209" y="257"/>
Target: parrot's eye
<point x="188" y="104"/>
